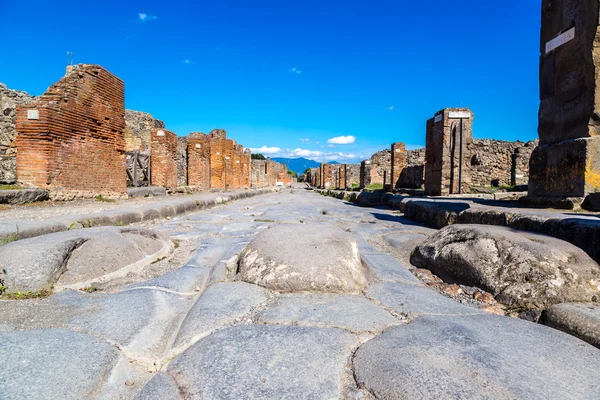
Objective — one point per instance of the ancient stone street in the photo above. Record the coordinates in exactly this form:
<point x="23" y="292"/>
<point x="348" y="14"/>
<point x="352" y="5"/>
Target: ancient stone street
<point x="283" y="295"/>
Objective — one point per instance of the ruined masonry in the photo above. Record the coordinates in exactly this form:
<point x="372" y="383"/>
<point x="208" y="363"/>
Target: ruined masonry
<point x="71" y="138"/>
<point x="567" y="161"/>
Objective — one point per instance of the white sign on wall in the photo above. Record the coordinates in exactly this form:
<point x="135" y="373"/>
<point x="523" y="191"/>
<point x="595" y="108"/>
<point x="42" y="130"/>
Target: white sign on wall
<point x="160" y="133"/>
<point x="459" y="114"/>
<point x="560" y="40"/>
<point x="438" y="118"/>
<point x="33" y="114"/>
<point x="198" y="145"/>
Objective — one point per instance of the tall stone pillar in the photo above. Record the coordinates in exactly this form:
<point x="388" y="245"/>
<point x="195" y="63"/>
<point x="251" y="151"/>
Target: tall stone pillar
<point x="565" y="167"/>
<point x="398" y="163"/>
<point x="447" y="166"/>
<point x="342" y="177"/>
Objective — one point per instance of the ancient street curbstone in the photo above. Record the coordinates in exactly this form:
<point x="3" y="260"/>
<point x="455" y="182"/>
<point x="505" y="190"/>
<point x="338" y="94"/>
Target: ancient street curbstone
<point x="578" y="319"/>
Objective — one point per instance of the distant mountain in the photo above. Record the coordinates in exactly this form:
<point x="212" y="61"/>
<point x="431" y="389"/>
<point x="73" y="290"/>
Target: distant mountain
<point x="298" y="165"/>
<point x="333" y="162"/>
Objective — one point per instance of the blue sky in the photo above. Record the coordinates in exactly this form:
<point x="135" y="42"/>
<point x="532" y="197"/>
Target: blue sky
<point x="329" y="80"/>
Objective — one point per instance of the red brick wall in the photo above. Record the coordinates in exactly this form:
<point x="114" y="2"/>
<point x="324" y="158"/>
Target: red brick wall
<point x="199" y="160"/>
<point x="164" y="158"/>
<point x="398" y="163"/>
<point x="77" y="143"/>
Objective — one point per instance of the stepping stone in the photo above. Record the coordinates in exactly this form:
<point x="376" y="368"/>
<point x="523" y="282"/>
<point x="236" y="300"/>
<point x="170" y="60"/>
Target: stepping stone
<point x="477" y="357"/>
<point x="60" y="364"/>
<point x="222" y="304"/>
<point x="304" y="257"/>
<point x="519" y="268"/>
<point x="411" y="301"/>
<point x="578" y="319"/>
<point x="352" y="313"/>
<point x="262" y="362"/>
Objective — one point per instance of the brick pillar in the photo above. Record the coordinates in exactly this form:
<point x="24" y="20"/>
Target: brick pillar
<point x="567" y="161"/>
<point x="398" y="163"/>
<point x="163" y="160"/>
<point x="443" y="170"/>
<point x="199" y="157"/>
<point x="342" y="177"/>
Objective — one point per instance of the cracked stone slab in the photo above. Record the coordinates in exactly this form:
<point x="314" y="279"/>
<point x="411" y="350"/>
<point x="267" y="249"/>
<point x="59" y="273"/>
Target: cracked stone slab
<point x="353" y="313"/>
<point x="76" y="259"/>
<point x="411" y="301"/>
<point x="304" y="257"/>
<point x="477" y="357"/>
<point x="578" y="319"/>
<point x="221" y="304"/>
<point x="386" y="268"/>
<point x="264" y="362"/>
<point x="183" y="280"/>
<point x="140" y="321"/>
<point x="60" y="364"/>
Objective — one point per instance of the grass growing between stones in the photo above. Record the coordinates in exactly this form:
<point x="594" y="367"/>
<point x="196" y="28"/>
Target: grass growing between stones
<point x="375" y="186"/>
<point x="10" y="187"/>
<point x="25" y="295"/>
<point x="104" y="199"/>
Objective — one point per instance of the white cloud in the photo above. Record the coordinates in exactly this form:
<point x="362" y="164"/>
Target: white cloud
<point x="147" y="17"/>
<point x="266" y="150"/>
<point x="305" y="140"/>
<point x="295" y="71"/>
<point x="318" y="143"/>
<point x="390" y="108"/>
<point x="331" y="145"/>
<point x="187" y="62"/>
<point x="342" y="140"/>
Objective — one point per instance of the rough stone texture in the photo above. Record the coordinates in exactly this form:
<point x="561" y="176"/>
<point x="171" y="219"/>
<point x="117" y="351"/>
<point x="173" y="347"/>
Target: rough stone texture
<point x="220" y="305"/>
<point x="477" y="357"/>
<point x="266" y="173"/>
<point x="182" y="161"/>
<point x="398" y="162"/>
<point x="250" y="362"/>
<point x="411" y="301"/>
<point x="443" y="153"/>
<point x="413" y="174"/>
<point x="23" y="196"/>
<point x="77" y="257"/>
<point x="138" y="128"/>
<point x="59" y="364"/>
<point x="385" y="268"/>
<point x="353" y="313"/>
<point x="377" y="169"/>
<point x="77" y="143"/>
<point x="312" y="257"/>
<point x="578" y="319"/>
<point x="9" y="99"/>
<point x="519" y="268"/>
<point x="567" y="162"/>
<point x="497" y="162"/>
<point x="164" y="158"/>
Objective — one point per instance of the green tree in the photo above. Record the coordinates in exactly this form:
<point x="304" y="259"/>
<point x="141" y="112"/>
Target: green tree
<point x="292" y="173"/>
<point x="257" y="156"/>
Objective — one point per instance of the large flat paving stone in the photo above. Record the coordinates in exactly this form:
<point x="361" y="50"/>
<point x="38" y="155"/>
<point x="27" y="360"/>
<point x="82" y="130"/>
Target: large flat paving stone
<point x="518" y="268"/>
<point x="386" y="268"/>
<point x="264" y="362"/>
<point x="304" y="257"/>
<point x="353" y="313"/>
<point x="477" y="357"/>
<point x="60" y="364"/>
<point x="411" y="301"/>
<point x="222" y="304"/>
<point x="578" y="319"/>
<point x="76" y="259"/>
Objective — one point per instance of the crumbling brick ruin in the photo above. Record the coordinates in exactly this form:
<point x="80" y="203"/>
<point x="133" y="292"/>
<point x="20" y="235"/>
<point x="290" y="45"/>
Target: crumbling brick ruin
<point x="499" y="163"/>
<point x="398" y="162"/>
<point x="328" y="174"/>
<point x="9" y="99"/>
<point x="567" y="161"/>
<point x="265" y="173"/>
<point x="449" y="135"/>
<point x="71" y="138"/>
<point x="138" y="130"/>
<point x="413" y="174"/>
<point x="198" y="160"/>
<point x="164" y="158"/>
<point x="182" y="161"/>
<point x="377" y="169"/>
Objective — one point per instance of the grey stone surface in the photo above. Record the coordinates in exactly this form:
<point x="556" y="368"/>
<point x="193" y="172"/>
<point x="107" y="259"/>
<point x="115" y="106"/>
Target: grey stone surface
<point x="146" y="191"/>
<point x="519" y="268"/>
<point x="386" y="268"/>
<point x="23" y="196"/>
<point x="578" y="319"/>
<point x="161" y="387"/>
<point x="266" y="362"/>
<point x="353" y="313"/>
<point x="77" y="257"/>
<point x="59" y="364"/>
<point x="477" y="357"/>
<point x="184" y="280"/>
<point x="410" y="301"/>
<point x="304" y="257"/>
<point x="220" y="305"/>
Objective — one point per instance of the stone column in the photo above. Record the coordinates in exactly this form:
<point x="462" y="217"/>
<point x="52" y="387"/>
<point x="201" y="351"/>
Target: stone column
<point x="565" y="167"/>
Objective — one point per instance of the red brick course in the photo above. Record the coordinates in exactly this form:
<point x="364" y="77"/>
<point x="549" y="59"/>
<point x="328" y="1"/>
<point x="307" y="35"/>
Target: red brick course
<point x="164" y="159"/>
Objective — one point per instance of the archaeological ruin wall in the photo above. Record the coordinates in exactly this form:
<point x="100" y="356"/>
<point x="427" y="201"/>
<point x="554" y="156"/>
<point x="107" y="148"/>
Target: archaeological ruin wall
<point x="376" y="170"/>
<point x="398" y="162"/>
<point x="413" y="174"/>
<point x="70" y="140"/>
<point x="163" y="158"/>
<point x="566" y="163"/>
<point x="138" y="130"/>
<point x="266" y="173"/>
<point x="9" y="99"/>
<point x="182" y="161"/>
